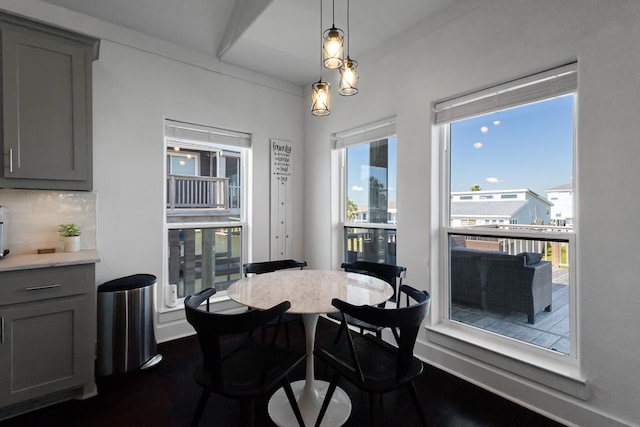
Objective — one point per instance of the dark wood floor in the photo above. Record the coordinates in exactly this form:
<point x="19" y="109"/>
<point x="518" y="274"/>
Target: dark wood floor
<point x="167" y="396"/>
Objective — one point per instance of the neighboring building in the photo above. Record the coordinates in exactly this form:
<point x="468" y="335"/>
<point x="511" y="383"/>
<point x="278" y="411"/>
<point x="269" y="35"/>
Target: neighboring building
<point x="521" y="206"/>
<point x="362" y="214"/>
<point x="562" y="209"/>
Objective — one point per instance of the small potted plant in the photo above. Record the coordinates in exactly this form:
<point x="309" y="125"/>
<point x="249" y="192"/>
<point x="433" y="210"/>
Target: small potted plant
<point x="71" y="235"/>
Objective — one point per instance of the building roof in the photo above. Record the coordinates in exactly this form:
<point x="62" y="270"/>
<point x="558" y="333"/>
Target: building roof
<point x="513" y="190"/>
<point x="563" y="187"/>
<point x="506" y="208"/>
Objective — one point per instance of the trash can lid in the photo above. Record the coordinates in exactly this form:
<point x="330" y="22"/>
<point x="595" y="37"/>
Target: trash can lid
<point x="134" y="281"/>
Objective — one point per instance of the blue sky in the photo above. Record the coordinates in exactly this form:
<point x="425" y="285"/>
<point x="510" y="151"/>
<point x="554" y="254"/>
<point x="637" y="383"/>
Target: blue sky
<point x="523" y="147"/>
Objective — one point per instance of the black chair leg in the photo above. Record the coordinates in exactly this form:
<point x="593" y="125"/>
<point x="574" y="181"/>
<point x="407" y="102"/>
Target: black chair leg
<point x="286" y="335"/>
<point x="202" y="402"/>
<point x="395" y="335"/>
<point x="338" y="335"/>
<point x="248" y="412"/>
<point x="416" y="401"/>
<point x="286" y="384"/>
<point x="304" y="333"/>
<point x="372" y="404"/>
<point x="327" y="398"/>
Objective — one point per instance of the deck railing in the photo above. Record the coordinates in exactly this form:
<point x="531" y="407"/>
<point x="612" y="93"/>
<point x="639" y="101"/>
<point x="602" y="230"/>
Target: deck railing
<point x="370" y="244"/>
<point x="556" y="251"/>
<point x="202" y="258"/>
<point x="194" y="192"/>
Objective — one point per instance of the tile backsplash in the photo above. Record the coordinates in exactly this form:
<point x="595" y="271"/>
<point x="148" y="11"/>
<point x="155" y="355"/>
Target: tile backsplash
<point x="32" y="217"/>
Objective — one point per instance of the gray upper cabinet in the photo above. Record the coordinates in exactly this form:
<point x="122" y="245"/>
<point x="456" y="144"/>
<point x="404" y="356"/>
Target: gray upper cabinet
<point x="46" y="106"/>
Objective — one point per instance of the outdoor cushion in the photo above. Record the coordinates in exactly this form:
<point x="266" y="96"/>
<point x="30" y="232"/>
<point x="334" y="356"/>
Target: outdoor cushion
<point x="530" y="257"/>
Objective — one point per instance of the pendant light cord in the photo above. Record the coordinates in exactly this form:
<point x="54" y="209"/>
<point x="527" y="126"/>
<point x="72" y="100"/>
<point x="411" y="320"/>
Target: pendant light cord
<point x="333" y="17"/>
<point x="348" y="31"/>
<point x="321" y="40"/>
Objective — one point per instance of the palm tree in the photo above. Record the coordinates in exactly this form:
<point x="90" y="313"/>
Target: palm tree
<point x="475" y="187"/>
<point x="352" y="209"/>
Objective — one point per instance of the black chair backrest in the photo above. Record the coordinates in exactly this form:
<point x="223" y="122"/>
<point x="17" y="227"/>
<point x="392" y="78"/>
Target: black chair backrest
<point x="271" y="266"/>
<point x="210" y="327"/>
<point x="406" y="321"/>
<point x="392" y="274"/>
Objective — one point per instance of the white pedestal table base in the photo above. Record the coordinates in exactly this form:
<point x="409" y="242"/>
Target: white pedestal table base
<point x="337" y="413"/>
<point x="309" y="392"/>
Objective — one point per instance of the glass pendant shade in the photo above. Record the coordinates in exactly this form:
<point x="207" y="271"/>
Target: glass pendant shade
<point x="332" y="48"/>
<point x="348" y="77"/>
<point x="320" y="98"/>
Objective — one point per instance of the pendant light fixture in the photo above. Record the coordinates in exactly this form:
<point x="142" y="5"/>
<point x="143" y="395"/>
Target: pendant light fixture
<point x="348" y="69"/>
<point x="333" y="44"/>
<point x="320" y="96"/>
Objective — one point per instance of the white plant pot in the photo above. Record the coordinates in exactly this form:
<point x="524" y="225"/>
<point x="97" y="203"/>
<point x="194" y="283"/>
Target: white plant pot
<point x="72" y="244"/>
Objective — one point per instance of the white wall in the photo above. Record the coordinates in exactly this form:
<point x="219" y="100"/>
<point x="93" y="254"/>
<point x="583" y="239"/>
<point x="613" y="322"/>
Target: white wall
<point x="497" y="41"/>
<point x="129" y="151"/>
<point x="137" y="82"/>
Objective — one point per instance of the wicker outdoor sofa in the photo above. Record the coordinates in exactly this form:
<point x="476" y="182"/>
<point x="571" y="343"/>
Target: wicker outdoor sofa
<point x="498" y="281"/>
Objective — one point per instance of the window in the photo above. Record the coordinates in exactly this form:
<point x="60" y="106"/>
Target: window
<point x="510" y="282"/>
<point x="205" y="208"/>
<point x="369" y="203"/>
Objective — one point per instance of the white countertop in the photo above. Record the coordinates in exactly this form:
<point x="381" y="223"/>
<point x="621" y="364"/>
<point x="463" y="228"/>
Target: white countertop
<point x="57" y="259"/>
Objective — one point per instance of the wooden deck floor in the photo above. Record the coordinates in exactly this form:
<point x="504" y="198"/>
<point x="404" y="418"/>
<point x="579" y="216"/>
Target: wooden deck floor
<point x="550" y="330"/>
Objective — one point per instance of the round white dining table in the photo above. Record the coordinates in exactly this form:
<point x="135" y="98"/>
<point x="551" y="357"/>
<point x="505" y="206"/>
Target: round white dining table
<point x="310" y="293"/>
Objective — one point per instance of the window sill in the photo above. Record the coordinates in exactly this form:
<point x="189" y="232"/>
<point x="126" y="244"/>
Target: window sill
<point x="546" y="368"/>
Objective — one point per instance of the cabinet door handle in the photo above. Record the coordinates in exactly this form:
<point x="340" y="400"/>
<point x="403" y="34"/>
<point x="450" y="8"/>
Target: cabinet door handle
<point x="1" y="330"/>
<point x="10" y="160"/>
<point x="41" y="288"/>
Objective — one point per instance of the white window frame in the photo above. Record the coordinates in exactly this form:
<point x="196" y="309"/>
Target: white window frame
<point x="472" y="342"/>
<point x="221" y="139"/>
<point x="370" y="132"/>
<point x="364" y="134"/>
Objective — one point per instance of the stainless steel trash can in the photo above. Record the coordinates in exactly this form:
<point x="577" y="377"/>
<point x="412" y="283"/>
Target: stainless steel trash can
<point x="126" y="338"/>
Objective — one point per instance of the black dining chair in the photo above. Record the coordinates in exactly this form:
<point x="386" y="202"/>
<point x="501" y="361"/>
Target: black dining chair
<point x="371" y="364"/>
<point x="234" y="364"/>
<point x="392" y="274"/>
<point x="270" y="267"/>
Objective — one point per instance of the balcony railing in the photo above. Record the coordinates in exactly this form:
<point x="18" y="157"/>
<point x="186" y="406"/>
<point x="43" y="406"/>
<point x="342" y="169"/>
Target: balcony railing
<point x="202" y="258"/>
<point x="554" y="250"/>
<point x="370" y="244"/>
<point x="197" y="192"/>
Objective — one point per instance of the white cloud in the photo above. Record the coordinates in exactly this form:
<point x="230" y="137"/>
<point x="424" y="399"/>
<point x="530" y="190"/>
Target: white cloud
<point x="357" y="188"/>
<point x="484" y="129"/>
<point x="477" y="145"/>
<point x="493" y="180"/>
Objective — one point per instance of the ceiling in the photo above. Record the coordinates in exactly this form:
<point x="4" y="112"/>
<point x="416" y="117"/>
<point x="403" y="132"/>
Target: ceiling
<point x="279" y="38"/>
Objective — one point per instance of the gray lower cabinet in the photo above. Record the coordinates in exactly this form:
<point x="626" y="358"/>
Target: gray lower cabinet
<point x="47" y="346"/>
<point x="46" y="106"/>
